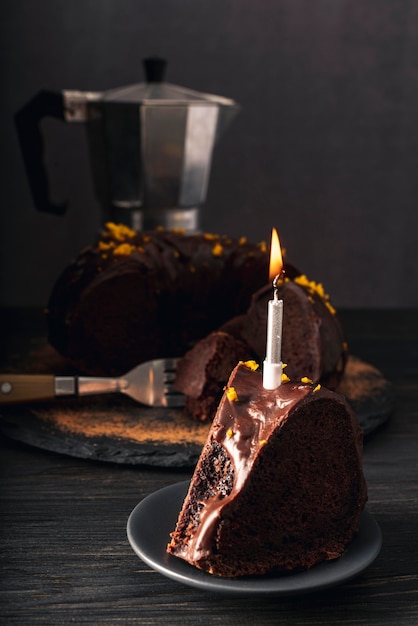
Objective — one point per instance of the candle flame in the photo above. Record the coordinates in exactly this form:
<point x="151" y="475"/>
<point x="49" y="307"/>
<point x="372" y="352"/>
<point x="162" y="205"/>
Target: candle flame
<point x="276" y="260"/>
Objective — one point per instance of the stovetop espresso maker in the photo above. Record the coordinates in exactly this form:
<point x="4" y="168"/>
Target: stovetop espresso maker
<point x="150" y="145"/>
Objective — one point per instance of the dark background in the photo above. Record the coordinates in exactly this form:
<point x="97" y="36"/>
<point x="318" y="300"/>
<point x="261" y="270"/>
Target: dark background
<point x="325" y="147"/>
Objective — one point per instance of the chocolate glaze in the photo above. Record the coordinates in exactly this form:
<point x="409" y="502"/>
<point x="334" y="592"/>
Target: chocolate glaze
<point x="242" y="427"/>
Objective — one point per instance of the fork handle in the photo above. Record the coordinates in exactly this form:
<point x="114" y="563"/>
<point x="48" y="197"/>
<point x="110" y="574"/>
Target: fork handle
<point x="24" y="387"/>
<point x="16" y="388"/>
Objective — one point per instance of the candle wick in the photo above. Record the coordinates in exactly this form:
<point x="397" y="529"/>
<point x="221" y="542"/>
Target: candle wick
<point x="276" y="282"/>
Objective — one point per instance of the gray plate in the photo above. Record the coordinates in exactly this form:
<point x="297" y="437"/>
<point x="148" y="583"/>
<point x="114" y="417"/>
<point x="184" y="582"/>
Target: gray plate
<point x="152" y="520"/>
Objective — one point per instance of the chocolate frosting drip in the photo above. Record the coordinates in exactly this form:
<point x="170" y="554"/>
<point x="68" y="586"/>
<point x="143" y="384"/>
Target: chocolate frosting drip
<point x="242" y="426"/>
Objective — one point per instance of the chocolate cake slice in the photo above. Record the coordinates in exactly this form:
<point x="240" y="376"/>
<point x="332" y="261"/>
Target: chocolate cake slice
<point x="313" y="345"/>
<point x="313" y="342"/>
<point x="279" y="484"/>
<point x="204" y="371"/>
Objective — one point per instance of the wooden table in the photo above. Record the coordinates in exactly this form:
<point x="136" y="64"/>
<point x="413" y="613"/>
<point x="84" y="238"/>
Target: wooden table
<point x="66" y="558"/>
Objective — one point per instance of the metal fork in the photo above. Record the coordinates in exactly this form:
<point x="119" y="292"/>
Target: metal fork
<point x="150" y="383"/>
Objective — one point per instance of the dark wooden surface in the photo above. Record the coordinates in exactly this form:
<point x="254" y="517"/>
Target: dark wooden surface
<point x="66" y="558"/>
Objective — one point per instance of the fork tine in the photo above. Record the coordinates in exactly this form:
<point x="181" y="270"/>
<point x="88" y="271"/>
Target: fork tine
<point x="152" y="383"/>
<point x="169" y="384"/>
<point x="170" y="364"/>
<point x="169" y="377"/>
<point x="175" y="400"/>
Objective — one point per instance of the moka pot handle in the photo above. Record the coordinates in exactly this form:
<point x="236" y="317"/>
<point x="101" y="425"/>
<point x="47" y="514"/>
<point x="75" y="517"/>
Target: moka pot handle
<point x="27" y="121"/>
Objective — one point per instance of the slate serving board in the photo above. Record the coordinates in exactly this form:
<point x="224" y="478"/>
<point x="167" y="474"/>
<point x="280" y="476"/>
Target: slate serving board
<point x="116" y="429"/>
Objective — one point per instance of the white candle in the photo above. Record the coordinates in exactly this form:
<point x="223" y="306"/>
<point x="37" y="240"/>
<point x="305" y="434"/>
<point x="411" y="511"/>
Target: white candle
<point x="273" y="367"/>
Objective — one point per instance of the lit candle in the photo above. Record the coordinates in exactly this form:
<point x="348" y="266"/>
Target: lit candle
<point x="273" y="367"/>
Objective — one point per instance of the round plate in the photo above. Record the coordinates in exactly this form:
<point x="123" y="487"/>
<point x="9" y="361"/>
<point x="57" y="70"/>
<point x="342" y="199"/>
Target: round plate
<point x="117" y="429"/>
<point x="152" y="520"/>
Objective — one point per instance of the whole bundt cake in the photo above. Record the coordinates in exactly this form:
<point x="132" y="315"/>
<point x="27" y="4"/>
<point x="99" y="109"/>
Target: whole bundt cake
<point x="135" y="296"/>
<point x="279" y="484"/>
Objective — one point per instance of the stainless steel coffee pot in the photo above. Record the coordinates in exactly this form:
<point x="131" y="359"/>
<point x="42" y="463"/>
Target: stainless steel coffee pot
<point x="150" y="145"/>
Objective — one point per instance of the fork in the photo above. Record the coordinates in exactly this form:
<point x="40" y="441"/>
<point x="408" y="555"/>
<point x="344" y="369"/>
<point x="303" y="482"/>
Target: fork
<point x="149" y="383"/>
